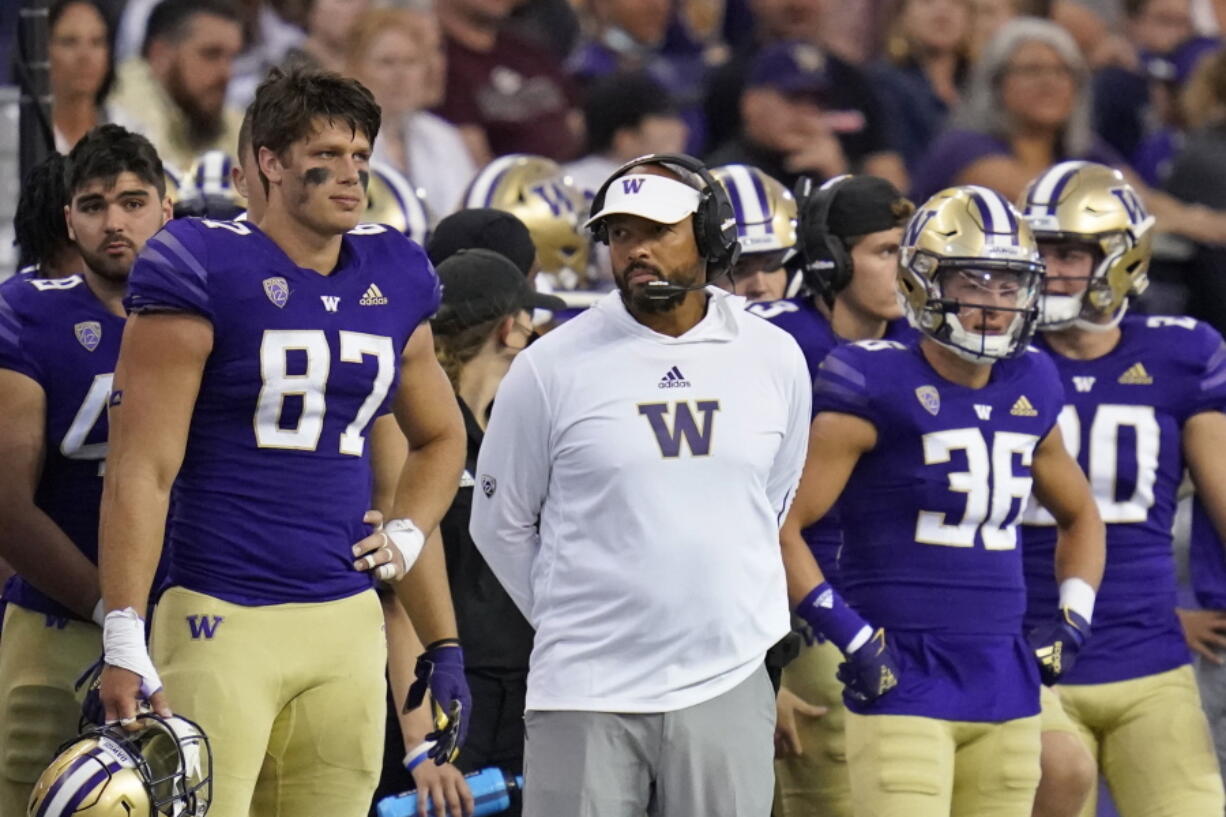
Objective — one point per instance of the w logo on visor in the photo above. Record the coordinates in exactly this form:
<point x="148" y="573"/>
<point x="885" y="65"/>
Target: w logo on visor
<point x="632" y="185"/>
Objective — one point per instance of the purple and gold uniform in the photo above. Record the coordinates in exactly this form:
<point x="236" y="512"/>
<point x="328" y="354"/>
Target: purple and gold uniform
<point x="933" y="555"/>
<point x="1123" y="422"/>
<point x="58" y="334"/>
<point x="817" y="781"/>
<point x="269" y="500"/>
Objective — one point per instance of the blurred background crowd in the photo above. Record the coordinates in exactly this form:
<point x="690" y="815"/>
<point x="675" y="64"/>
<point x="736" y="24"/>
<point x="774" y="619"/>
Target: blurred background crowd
<point x="926" y="93"/>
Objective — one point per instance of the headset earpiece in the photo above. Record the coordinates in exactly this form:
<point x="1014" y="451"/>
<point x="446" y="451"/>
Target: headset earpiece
<point x="826" y="264"/>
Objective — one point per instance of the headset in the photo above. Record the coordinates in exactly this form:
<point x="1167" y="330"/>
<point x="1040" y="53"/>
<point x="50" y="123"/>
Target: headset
<point x="715" y="232"/>
<point x="823" y="260"/>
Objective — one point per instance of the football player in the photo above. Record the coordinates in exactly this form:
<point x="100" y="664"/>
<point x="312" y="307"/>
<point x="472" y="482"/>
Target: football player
<point x="39" y="231"/>
<point x="847" y="253"/>
<point x="59" y="339"/>
<point x="1145" y="397"/>
<point x="256" y="358"/>
<point x="766" y="227"/>
<point x="932" y="448"/>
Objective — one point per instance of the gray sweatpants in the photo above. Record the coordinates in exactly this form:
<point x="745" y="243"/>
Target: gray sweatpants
<point x="714" y="759"/>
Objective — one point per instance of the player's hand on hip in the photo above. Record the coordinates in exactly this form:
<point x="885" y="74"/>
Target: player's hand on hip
<point x="391" y="550"/>
<point x="1057" y="643"/>
<point x="441" y="791"/>
<point x="789" y="709"/>
<point x="871" y="670"/>
<point x="1205" y="632"/>
<point x="440" y="669"/>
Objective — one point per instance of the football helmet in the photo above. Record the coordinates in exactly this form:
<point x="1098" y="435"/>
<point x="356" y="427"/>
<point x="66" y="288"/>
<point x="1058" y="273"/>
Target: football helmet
<point x="1093" y="205"/>
<point x="391" y="200"/>
<point x="967" y="255"/>
<point x="207" y="190"/>
<point x="164" y="770"/>
<point x="549" y="202"/>
<point x="765" y="213"/>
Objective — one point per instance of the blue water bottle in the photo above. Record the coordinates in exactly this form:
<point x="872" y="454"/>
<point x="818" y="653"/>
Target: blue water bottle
<point x="491" y="789"/>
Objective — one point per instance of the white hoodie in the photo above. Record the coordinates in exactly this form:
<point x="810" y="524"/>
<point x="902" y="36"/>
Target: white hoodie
<point x="647" y="558"/>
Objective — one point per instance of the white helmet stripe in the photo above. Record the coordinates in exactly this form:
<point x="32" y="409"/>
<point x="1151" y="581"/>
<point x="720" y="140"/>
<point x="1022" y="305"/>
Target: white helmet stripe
<point x="482" y="187"/>
<point x="753" y="215"/>
<point x="1000" y="225"/>
<point x="1046" y="191"/>
<point x="78" y="782"/>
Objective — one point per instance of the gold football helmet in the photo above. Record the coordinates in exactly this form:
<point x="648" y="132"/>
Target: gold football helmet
<point x="968" y="261"/>
<point x="207" y="190"/>
<point x="765" y="212"/>
<point x="391" y="200"/>
<point x="164" y="770"/>
<point x="538" y="191"/>
<point x="1092" y="204"/>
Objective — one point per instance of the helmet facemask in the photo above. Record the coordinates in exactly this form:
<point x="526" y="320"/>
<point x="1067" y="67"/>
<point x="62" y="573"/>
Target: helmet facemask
<point x="982" y="311"/>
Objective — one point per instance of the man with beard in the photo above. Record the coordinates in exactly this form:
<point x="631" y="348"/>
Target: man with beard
<point x="59" y="340"/>
<point x="174" y="93"/>
<point x="655" y="438"/>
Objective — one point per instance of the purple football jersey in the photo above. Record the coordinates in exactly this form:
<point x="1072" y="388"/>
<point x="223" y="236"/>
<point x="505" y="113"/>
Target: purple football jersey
<point x="56" y="332"/>
<point x="1123" y="422"/>
<point x="929" y="519"/>
<point x="276" y="475"/>
<point x="801" y="319"/>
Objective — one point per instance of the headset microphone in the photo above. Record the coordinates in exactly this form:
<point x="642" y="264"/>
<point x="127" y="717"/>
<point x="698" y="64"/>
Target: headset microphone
<point x="665" y="290"/>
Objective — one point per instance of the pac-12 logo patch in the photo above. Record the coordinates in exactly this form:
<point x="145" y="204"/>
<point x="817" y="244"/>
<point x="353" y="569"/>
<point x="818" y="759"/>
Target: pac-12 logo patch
<point x="488" y="485"/>
<point x="89" y="334"/>
<point x="277" y="290"/>
<point x="929" y="398"/>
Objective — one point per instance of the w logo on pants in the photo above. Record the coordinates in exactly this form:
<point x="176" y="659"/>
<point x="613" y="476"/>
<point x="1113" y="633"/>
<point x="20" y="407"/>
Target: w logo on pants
<point x="685" y="427"/>
<point x="204" y="626"/>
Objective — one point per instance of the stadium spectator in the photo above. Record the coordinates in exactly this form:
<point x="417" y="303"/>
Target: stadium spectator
<point x="926" y="66"/>
<point x="632" y="35"/>
<point x="1027" y="107"/>
<point x="82" y="70"/>
<point x="1166" y="120"/>
<point x="387" y="52"/>
<point x="806" y="113"/>
<point x="45" y="250"/>
<point x="626" y="115"/>
<point x="505" y="95"/>
<point x="550" y="24"/>
<point x="1153" y="30"/>
<point x="175" y="92"/>
<point x="329" y="25"/>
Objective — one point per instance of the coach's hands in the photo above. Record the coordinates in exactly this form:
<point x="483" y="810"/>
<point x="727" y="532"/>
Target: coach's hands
<point x="440" y="669"/>
<point x="1056" y="644"/>
<point x="444" y="788"/>
<point x="871" y="670"/>
<point x="789" y="708"/>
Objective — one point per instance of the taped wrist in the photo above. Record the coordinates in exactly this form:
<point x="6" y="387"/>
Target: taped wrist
<point x="824" y="610"/>
<point x="1077" y="595"/>
<point x="123" y="646"/>
<point x="407" y="538"/>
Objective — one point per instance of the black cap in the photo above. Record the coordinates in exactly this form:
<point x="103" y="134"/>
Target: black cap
<point x="863" y="205"/>
<point x="483" y="228"/>
<point x="481" y="285"/>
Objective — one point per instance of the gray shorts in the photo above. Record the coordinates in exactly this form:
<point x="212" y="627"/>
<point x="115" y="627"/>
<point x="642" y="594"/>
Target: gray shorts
<point x="714" y="759"/>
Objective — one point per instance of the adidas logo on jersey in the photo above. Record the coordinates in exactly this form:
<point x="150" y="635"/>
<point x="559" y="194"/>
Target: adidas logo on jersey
<point x="673" y="379"/>
<point x="1135" y="375"/>
<point x="1023" y="408"/>
<point x="373" y="296"/>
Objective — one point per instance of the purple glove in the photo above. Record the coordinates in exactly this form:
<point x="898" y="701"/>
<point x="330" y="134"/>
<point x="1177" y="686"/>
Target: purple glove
<point x="871" y="671"/>
<point x="441" y="669"/>
<point x="1057" y="643"/>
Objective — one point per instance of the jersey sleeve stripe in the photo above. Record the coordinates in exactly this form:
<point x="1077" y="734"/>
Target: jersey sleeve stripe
<point x="1215" y="370"/>
<point x="10" y="324"/>
<point x="187" y="261"/>
<point x="837" y="368"/>
<point x="197" y="289"/>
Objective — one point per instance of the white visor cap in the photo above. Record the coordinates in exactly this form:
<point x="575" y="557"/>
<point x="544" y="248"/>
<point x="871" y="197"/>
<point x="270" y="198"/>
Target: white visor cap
<point x="655" y="198"/>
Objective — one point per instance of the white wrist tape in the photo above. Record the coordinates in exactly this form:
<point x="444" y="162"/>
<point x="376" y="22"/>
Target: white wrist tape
<point x="99" y="614"/>
<point x="123" y="646"/>
<point x="1077" y="595"/>
<point x="406" y="538"/>
<point x="418" y="754"/>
